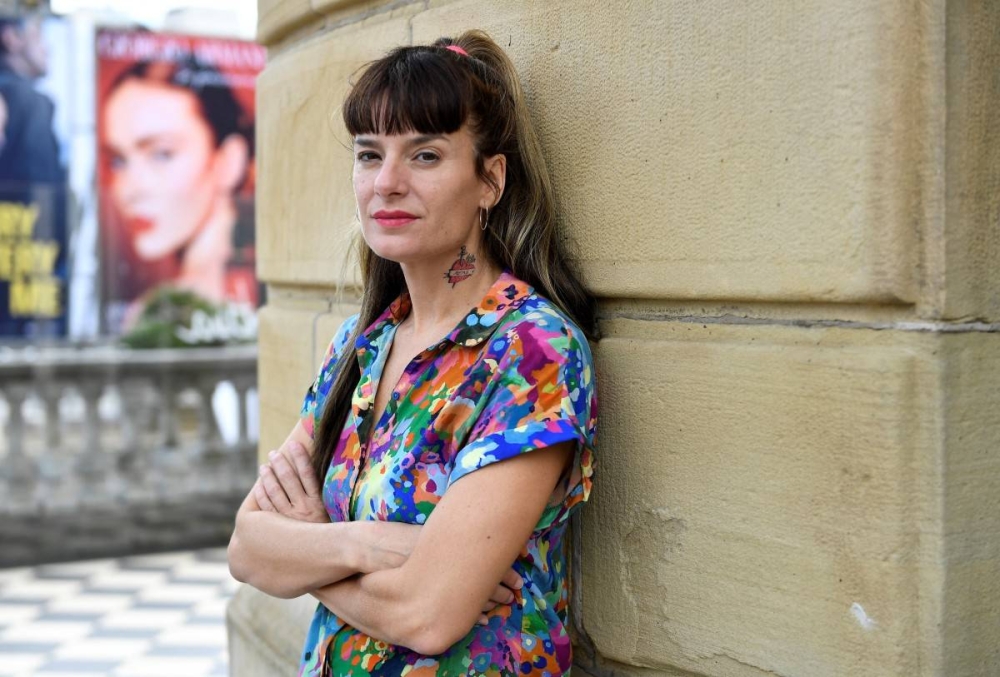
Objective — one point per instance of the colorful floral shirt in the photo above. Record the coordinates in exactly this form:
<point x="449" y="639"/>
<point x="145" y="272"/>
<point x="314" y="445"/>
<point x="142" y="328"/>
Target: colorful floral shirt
<point x="515" y="375"/>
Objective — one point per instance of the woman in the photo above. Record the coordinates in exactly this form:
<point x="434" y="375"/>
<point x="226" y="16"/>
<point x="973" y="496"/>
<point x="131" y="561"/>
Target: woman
<point x="454" y="443"/>
<point x="178" y="147"/>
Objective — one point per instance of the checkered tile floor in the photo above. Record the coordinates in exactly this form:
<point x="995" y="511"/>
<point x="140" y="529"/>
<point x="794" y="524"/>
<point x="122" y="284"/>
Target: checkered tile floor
<point x="142" y="616"/>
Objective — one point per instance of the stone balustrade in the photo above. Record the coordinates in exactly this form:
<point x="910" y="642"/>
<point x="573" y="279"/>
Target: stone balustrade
<point x="108" y="451"/>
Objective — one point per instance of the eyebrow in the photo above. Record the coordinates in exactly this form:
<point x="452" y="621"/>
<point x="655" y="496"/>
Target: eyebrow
<point x="143" y="143"/>
<point x="153" y="140"/>
<point x="369" y="142"/>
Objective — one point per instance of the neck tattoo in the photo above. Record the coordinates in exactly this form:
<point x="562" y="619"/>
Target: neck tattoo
<point x="462" y="269"/>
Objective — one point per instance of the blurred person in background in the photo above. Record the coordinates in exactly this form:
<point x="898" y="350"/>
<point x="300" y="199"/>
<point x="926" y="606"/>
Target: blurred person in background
<point x="179" y="148"/>
<point x="30" y="150"/>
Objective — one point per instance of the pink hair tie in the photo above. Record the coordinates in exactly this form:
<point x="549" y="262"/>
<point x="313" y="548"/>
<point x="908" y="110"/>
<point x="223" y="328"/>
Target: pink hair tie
<point x="457" y="50"/>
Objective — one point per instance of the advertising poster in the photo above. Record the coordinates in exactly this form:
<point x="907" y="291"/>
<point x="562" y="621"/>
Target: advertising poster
<point x="175" y="132"/>
<point x="33" y="186"/>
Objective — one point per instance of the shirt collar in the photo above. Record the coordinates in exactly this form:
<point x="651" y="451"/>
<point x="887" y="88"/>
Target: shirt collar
<point x="506" y="294"/>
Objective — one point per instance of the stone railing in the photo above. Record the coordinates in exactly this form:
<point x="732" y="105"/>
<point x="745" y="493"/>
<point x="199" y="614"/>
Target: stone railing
<point x="106" y="451"/>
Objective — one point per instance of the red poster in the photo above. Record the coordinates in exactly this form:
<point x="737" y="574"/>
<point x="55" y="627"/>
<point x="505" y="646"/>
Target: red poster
<point x="175" y="121"/>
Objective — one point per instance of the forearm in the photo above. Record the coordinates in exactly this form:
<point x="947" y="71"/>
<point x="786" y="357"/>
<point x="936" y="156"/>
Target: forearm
<point x="434" y="599"/>
<point x="287" y="558"/>
<point x="375" y="604"/>
<point x="387" y="606"/>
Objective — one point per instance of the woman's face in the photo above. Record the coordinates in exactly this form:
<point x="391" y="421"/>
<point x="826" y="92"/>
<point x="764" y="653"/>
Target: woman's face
<point x="419" y="195"/>
<point x="163" y="158"/>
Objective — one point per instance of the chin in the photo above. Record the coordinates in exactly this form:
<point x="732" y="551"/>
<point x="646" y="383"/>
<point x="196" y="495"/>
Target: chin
<point x="150" y="250"/>
<point x="396" y="249"/>
<point x="397" y="256"/>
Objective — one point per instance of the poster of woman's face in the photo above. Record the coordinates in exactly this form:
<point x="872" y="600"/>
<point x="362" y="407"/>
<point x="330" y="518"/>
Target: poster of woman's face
<point x="176" y="171"/>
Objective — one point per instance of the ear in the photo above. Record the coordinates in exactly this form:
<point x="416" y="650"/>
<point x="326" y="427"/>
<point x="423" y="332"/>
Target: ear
<point x="10" y="37"/>
<point x="496" y="168"/>
<point x="231" y="162"/>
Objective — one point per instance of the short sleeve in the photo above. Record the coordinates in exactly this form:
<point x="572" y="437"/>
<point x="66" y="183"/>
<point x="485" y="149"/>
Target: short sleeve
<point x="543" y="394"/>
<point x="312" y="405"/>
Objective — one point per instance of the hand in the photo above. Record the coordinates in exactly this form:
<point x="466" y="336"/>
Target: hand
<point x="288" y="485"/>
<point x="504" y="594"/>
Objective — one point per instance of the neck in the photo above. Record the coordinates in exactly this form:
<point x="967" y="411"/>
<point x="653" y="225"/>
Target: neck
<point x="443" y="291"/>
<point x="204" y="266"/>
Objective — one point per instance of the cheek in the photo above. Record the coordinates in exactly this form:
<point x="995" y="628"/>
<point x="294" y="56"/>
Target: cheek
<point x="362" y="187"/>
<point x="189" y="175"/>
<point x="117" y="183"/>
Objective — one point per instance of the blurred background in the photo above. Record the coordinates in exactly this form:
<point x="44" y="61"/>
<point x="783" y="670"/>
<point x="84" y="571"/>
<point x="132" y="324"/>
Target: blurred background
<point x="127" y="325"/>
<point x="127" y="290"/>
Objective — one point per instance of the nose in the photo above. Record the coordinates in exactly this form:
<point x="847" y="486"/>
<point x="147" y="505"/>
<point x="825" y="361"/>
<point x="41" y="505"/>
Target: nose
<point x="391" y="178"/>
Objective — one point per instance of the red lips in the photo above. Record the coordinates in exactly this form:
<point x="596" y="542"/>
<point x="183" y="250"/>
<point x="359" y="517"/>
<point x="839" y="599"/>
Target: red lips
<point x="393" y="218"/>
<point x="139" y="225"/>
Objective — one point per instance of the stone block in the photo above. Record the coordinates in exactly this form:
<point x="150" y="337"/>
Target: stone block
<point x="266" y="634"/>
<point x="353" y="8"/>
<point x="305" y="200"/>
<point x="725" y="150"/>
<point x="277" y="17"/>
<point x="285" y="338"/>
<point x="767" y="501"/>
<point x="971" y="239"/>
<point x="292" y="343"/>
<point x="971" y="479"/>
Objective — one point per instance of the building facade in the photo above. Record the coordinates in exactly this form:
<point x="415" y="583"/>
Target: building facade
<point x="791" y="215"/>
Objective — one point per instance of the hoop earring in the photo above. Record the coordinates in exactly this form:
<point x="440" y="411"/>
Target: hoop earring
<point x="483" y="222"/>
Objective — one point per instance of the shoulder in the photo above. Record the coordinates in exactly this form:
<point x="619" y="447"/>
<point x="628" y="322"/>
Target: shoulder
<point x="324" y="379"/>
<point x="539" y="326"/>
<point x="343" y="333"/>
<point x="537" y="346"/>
<point x="339" y="342"/>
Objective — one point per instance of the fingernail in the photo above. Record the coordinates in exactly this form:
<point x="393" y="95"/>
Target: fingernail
<point x="483" y="620"/>
<point x="272" y="454"/>
<point x="519" y="584"/>
<point x="262" y="468"/>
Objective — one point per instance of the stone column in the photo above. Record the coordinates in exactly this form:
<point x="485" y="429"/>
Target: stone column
<point x="790" y="214"/>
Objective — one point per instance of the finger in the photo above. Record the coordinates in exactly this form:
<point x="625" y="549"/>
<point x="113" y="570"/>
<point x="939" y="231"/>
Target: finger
<point x="263" y="502"/>
<point x="303" y="466"/>
<point x="273" y="488"/>
<point x="489" y="606"/>
<point x="287" y="476"/>
<point x="512" y="580"/>
<point x="502" y="595"/>
<point x="483" y="620"/>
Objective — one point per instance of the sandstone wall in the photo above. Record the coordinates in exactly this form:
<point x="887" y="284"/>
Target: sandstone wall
<point x="790" y="213"/>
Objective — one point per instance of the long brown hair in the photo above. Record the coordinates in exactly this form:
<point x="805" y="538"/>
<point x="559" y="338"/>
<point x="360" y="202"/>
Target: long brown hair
<point x="434" y="90"/>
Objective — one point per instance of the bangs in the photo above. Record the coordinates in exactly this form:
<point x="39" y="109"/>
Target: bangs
<point x="413" y="89"/>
